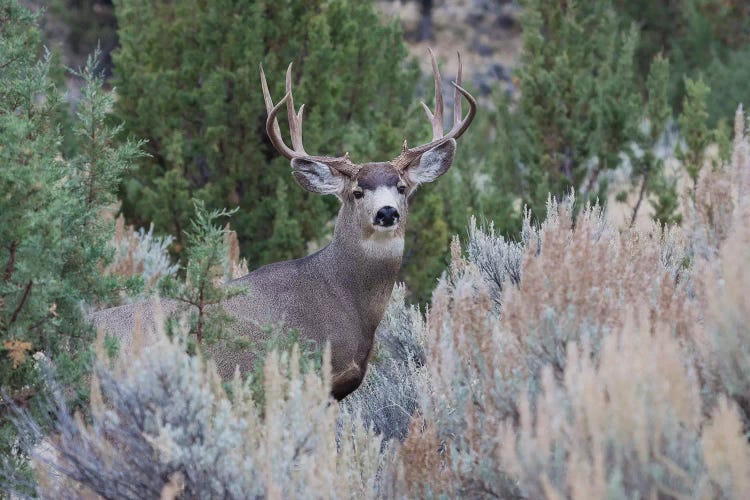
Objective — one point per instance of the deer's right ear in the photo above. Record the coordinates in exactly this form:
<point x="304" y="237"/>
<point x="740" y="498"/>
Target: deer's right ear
<point x="317" y="177"/>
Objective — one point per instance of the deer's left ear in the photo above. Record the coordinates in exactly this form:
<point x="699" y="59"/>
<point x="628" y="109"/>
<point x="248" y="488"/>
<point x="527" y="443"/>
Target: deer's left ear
<point x="433" y="163"/>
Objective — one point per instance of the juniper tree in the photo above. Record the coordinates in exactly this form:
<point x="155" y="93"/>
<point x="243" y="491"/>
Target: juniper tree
<point x="188" y="81"/>
<point x="52" y="240"/>
<point x="697" y="36"/>
<point x="579" y="116"/>
<point x="648" y="169"/>
<point x="579" y="104"/>
<point x="694" y="128"/>
<point x="202" y="287"/>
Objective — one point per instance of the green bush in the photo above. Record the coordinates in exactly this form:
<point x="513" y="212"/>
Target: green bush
<point x="580" y="115"/>
<point x="693" y="34"/>
<point x="52" y="236"/>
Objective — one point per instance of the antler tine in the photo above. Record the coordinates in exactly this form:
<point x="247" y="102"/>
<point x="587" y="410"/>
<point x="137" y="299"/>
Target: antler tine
<point x="460" y="123"/>
<point x="435" y="119"/>
<point x="342" y="164"/>
<point x="295" y="120"/>
<point x="272" y="124"/>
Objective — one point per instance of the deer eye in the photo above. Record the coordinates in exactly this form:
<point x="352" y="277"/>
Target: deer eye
<point x="401" y="189"/>
<point x="359" y="194"/>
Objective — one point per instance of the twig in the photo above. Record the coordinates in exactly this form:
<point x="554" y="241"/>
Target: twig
<point x="638" y="203"/>
<point x="20" y="304"/>
<point x="11" y="261"/>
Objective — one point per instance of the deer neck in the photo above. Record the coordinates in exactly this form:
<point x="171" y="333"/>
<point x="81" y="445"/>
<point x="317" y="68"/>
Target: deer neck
<point x="362" y="269"/>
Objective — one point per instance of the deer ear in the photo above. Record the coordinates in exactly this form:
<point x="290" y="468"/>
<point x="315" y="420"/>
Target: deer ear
<point x="317" y="177"/>
<point x="433" y="163"/>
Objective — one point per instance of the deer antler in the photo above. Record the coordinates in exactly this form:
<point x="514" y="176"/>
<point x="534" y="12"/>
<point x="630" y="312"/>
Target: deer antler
<point x="460" y="124"/>
<point x="342" y="163"/>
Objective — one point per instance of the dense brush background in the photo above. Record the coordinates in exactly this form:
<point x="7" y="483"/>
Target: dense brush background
<point x="574" y="320"/>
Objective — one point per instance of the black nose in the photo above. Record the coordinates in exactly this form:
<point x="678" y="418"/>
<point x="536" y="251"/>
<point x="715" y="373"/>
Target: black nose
<point x="386" y="217"/>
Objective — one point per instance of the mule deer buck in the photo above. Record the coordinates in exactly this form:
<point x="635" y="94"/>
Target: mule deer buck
<point x="338" y="294"/>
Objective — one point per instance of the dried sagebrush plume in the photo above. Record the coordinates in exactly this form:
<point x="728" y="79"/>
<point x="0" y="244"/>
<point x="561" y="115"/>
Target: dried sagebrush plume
<point x="424" y="469"/>
<point x="140" y="253"/>
<point x="726" y="451"/>
<point x="718" y="195"/>
<point x="722" y="279"/>
<point x="470" y="391"/>
<point x="235" y="266"/>
<point x="723" y="290"/>
<point x="580" y="277"/>
<point x="499" y="260"/>
<point x="163" y="425"/>
<point x="626" y="426"/>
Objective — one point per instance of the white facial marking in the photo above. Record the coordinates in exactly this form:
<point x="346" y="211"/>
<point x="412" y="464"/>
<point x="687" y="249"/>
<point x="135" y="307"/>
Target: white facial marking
<point x="384" y="196"/>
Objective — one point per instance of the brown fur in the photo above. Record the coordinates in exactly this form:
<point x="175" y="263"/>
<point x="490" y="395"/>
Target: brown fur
<point x="374" y="175"/>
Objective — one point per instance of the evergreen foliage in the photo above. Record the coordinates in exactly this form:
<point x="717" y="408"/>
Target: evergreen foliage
<point x="204" y="281"/>
<point x="52" y="238"/>
<point x="579" y="103"/>
<point x="694" y="128"/>
<point x="579" y="117"/>
<point x="693" y="34"/>
<point x="188" y="81"/>
<point x="427" y="240"/>
<point x="648" y="168"/>
<point x="728" y="82"/>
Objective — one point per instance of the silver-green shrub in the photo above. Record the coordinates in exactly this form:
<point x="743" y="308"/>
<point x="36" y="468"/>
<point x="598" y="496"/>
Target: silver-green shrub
<point x="395" y="379"/>
<point x="161" y="423"/>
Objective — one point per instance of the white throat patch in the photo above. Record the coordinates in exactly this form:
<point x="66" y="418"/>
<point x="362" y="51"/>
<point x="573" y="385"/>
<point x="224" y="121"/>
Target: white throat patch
<point x="384" y="246"/>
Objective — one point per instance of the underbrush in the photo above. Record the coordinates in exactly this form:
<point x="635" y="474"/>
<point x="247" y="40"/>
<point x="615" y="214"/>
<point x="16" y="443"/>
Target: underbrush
<point x="580" y="362"/>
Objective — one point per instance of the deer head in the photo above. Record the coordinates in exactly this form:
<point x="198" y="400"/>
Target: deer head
<point x="374" y="195"/>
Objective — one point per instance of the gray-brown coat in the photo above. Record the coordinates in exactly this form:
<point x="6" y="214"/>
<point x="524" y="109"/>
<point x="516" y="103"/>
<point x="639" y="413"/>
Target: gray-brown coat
<point x="339" y="294"/>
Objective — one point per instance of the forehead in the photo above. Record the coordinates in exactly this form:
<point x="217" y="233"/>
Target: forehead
<point x="374" y="175"/>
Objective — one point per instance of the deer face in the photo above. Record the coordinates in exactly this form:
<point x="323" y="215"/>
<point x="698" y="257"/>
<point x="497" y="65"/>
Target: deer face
<point x="377" y="193"/>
